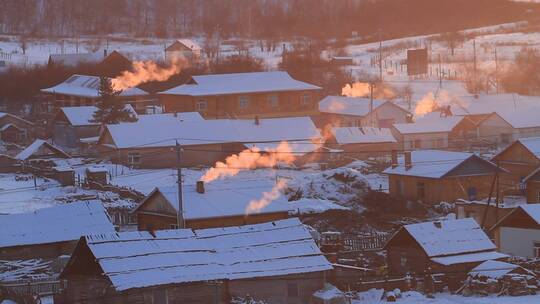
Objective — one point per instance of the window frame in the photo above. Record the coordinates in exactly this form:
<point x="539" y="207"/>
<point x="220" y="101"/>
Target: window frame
<point x="536" y="249"/>
<point x="243" y="102"/>
<point x="273" y="100"/>
<point x="131" y="156"/>
<point x="306" y="101"/>
<point x="201" y="102"/>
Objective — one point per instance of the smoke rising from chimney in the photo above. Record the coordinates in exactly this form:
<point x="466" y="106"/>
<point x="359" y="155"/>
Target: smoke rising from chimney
<point x="255" y="206"/>
<point x="144" y="71"/>
<point x="250" y="159"/>
<point x="430" y="103"/>
<point x="361" y="89"/>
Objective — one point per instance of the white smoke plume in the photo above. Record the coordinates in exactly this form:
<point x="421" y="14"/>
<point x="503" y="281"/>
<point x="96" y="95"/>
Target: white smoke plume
<point x="255" y="206"/>
<point x="250" y="159"/>
<point x="144" y="71"/>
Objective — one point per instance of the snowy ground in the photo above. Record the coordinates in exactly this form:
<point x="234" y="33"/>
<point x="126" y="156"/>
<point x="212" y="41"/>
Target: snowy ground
<point x="19" y="196"/>
<point x="373" y="297"/>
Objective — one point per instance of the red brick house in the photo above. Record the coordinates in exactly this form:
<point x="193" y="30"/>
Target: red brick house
<point x="243" y="95"/>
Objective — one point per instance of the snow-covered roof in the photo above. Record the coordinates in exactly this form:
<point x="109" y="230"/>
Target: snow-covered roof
<point x="441" y="125"/>
<point x="211" y="131"/>
<point x="532" y="144"/>
<point x="239" y="83"/>
<point x="469" y="258"/>
<point x="430" y="163"/>
<point x="493" y="269"/>
<point x="36" y="146"/>
<point x="83" y="115"/>
<point x="450" y="237"/>
<point x="357" y="106"/>
<point x="139" y="259"/>
<point x="297" y="147"/>
<point x="362" y="135"/>
<point x="190" y="44"/>
<point x="219" y="201"/>
<point x="56" y="224"/>
<point x="74" y="59"/>
<point x="86" y="86"/>
<point x="2" y="114"/>
<point x="522" y="119"/>
<point x="502" y="103"/>
<point x="533" y="210"/>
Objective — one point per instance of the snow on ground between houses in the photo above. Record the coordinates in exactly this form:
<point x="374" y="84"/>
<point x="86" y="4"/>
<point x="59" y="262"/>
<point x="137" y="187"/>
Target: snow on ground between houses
<point x="18" y="194"/>
<point x="412" y="297"/>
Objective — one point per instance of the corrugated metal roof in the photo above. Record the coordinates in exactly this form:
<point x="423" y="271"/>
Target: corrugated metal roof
<point x="137" y="259"/>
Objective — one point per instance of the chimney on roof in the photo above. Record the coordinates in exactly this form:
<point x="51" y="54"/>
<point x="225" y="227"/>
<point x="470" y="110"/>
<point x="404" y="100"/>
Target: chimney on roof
<point x="394" y="159"/>
<point x="438" y="224"/>
<point x="257" y="122"/>
<point x="408" y="160"/>
<point x="105" y="53"/>
<point x="200" y="187"/>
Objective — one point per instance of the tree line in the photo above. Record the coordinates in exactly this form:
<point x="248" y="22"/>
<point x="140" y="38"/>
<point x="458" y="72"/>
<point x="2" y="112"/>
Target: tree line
<point x="254" y="18"/>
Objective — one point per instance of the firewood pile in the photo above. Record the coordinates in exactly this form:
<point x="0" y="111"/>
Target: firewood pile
<point x="508" y="284"/>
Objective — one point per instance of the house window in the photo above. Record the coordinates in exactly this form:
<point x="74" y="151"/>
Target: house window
<point x="202" y="105"/>
<point x="292" y="289"/>
<point x="421" y="190"/>
<point x="273" y="101"/>
<point x="403" y="260"/>
<point x="538" y="197"/>
<point x="417" y="144"/>
<point x="159" y="296"/>
<point x="134" y="158"/>
<point x="536" y="248"/>
<point x="243" y="102"/>
<point x="306" y="99"/>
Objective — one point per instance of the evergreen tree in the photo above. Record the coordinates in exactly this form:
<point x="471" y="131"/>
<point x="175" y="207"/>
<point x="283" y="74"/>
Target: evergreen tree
<point x="110" y="109"/>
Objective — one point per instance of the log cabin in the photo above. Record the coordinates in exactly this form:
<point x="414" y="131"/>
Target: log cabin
<point x="518" y="233"/>
<point x="452" y="246"/>
<point x="50" y="232"/>
<point x="520" y="159"/>
<point x="110" y="64"/>
<point x="16" y="129"/>
<point x="341" y="111"/>
<point x="184" y="49"/>
<point x="502" y="128"/>
<point x="487" y="215"/>
<point x="435" y="133"/>
<point x="361" y="142"/>
<point x="208" y="205"/>
<point x="243" y="95"/>
<point x="74" y="126"/>
<point x="82" y="90"/>
<point x="197" y="266"/>
<point x="203" y="142"/>
<point x="434" y="176"/>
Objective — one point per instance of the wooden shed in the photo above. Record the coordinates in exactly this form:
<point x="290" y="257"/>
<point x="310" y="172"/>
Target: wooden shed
<point x="520" y="159"/>
<point x="451" y="246"/>
<point x="50" y="232"/>
<point x="16" y="129"/>
<point x="197" y="266"/>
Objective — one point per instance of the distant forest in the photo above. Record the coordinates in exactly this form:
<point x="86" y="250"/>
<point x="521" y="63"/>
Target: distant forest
<point x="254" y="18"/>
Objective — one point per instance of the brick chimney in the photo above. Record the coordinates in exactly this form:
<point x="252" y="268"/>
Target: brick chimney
<point x="394" y="159"/>
<point x="408" y="160"/>
<point x="200" y="187"/>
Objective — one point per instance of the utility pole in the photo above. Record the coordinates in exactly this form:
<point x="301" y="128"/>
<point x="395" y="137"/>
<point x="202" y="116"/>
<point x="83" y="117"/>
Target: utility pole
<point x="440" y="72"/>
<point x="474" y="71"/>
<point x="380" y="57"/>
<point x="180" y="213"/>
<point x="371" y="87"/>
<point x="496" y="72"/>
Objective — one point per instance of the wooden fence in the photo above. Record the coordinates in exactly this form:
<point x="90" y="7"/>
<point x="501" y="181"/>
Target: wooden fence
<point x="21" y="288"/>
<point x="365" y="242"/>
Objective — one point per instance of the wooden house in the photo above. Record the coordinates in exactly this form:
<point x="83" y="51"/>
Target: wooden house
<point x="15" y="129"/>
<point x="50" y="232"/>
<point x="8" y="164"/>
<point x="75" y="125"/>
<point x="487" y="215"/>
<point x="184" y="49"/>
<point x="197" y="266"/>
<point x="452" y="246"/>
<point x="110" y="64"/>
<point x="208" y="206"/>
<point x="434" y="176"/>
<point x="341" y="111"/>
<point x="505" y="127"/>
<point x="532" y="187"/>
<point x="217" y="139"/>
<point x="362" y="142"/>
<point x="518" y="233"/>
<point x="243" y="95"/>
<point x="520" y="159"/>
<point x="435" y="133"/>
<point x="82" y="90"/>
